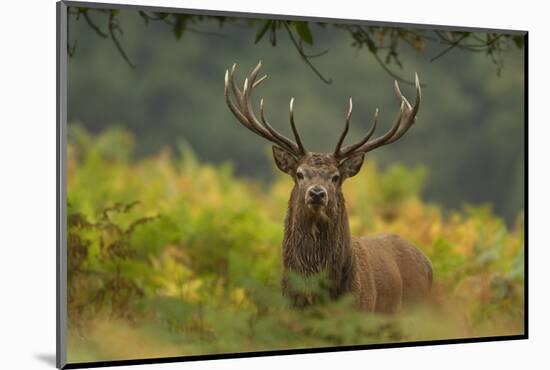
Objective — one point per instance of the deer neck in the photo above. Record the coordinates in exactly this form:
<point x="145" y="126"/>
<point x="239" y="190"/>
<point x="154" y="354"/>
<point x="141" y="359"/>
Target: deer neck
<point x="313" y="244"/>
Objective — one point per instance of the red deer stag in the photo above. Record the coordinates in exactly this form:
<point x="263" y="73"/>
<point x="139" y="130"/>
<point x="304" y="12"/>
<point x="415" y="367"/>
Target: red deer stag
<point x="383" y="272"/>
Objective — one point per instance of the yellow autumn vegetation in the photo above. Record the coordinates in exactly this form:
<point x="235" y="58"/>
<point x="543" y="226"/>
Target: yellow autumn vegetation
<point x="168" y="256"/>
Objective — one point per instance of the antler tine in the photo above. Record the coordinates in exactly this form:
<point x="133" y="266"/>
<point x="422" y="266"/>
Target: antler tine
<point x="234" y="87"/>
<point x="228" y="100"/>
<point x="249" y="84"/>
<point x="366" y="146"/>
<point x="288" y="144"/>
<point x="411" y="119"/>
<point x="246" y="104"/>
<point x="252" y="79"/>
<point x="234" y="109"/>
<point x="337" y="151"/>
<point x="400" y="95"/>
<point x="405" y="120"/>
<point x="294" y="130"/>
<point x="259" y="81"/>
<point x="243" y="111"/>
<point x="351" y="148"/>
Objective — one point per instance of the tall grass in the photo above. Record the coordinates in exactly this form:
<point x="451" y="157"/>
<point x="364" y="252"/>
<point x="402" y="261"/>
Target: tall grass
<point x="168" y="256"/>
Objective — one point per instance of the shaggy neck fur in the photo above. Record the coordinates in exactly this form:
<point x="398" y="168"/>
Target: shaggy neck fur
<point x="315" y="243"/>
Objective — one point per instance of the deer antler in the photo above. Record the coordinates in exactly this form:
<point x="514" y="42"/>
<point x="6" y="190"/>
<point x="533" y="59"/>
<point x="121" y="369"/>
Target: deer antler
<point x="243" y="111"/>
<point x="405" y="120"/>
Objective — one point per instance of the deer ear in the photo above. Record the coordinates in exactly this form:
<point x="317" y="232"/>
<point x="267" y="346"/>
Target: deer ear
<point x="284" y="160"/>
<point x="351" y="165"/>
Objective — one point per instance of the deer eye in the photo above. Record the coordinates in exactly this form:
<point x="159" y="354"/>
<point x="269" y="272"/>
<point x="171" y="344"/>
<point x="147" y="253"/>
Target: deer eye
<point x="335" y="179"/>
<point x="299" y="175"/>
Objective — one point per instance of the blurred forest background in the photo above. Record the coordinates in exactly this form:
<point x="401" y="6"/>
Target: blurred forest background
<point x="175" y="212"/>
<point x="470" y="130"/>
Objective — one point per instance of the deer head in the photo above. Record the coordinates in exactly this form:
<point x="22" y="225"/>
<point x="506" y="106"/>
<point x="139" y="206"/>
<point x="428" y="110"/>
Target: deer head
<point x="318" y="177"/>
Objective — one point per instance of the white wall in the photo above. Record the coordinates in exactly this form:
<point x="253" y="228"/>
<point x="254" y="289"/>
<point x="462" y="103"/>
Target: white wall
<point x="27" y="185"/>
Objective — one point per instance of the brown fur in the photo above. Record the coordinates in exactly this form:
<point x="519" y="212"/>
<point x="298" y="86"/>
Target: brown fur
<point x="383" y="272"/>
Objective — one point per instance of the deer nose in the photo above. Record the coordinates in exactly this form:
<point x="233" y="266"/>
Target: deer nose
<point x="317" y="194"/>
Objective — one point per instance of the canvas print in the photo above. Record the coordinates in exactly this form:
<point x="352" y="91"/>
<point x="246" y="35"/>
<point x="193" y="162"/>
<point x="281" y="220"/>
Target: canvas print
<point x="240" y="184"/>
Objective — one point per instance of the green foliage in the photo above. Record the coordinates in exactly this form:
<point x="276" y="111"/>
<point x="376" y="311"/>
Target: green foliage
<point x="445" y="261"/>
<point x="374" y="37"/>
<point x="168" y="256"/>
<point x="104" y="270"/>
<point x="304" y="32"/>
<point x="179" y="26"/>
<point x="262" y="30"/>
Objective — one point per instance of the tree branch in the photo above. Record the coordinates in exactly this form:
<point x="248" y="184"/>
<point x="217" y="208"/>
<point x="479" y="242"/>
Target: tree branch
<point x="304" y="56"/>
<point x="112" y="27"/>
<point x="372" y="37"/>
<point x="451" y="47"/>
<point x="93" y="26"/>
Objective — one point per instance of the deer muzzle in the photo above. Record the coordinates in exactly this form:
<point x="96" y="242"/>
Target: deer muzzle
<point x="316" y="197"/>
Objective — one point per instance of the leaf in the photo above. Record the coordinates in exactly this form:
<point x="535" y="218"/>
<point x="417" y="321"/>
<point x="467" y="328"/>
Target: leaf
<point x="262" y="31"/>
<point x="419" y="44"/>
<point x="179" y="26"/>
<point x="161" y="15"/>
<point x="144" y="16"/>
<point x="519" y="41"/>
<point x="304" y="32"/>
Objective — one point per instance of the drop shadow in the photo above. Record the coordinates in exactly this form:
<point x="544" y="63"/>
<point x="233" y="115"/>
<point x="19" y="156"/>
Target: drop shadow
<point x="47" y="358"/>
